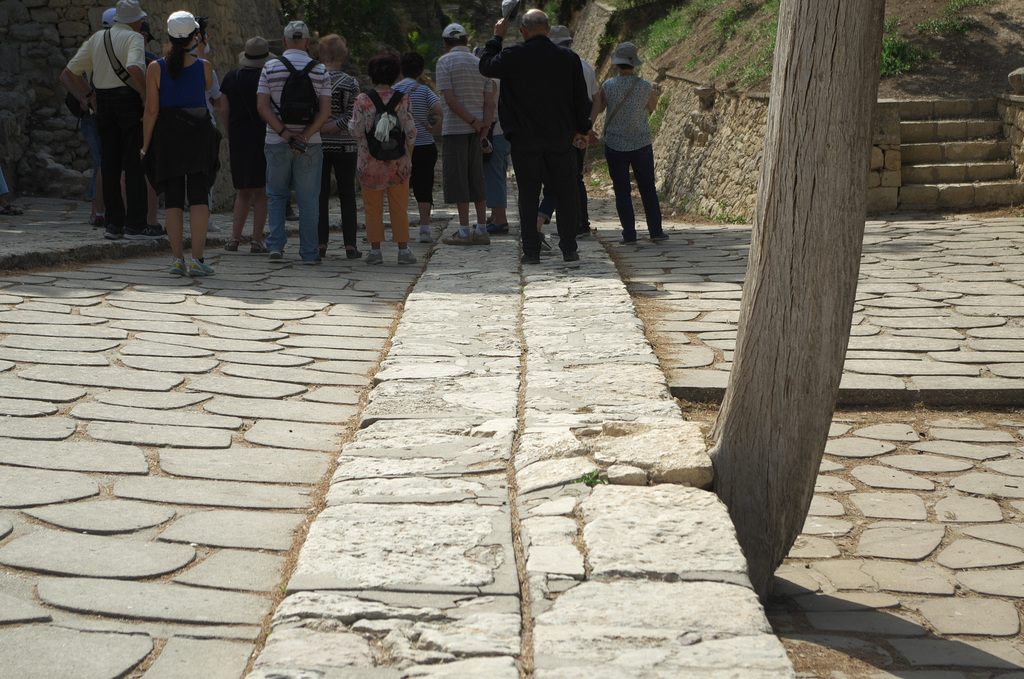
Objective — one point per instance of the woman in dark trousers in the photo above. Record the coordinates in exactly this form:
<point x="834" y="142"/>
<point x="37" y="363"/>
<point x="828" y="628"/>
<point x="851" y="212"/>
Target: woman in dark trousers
<point x="340" y="148"/>
<point x="627" y="142"/>
<point x="246" y="130"/>
<point x="181" y="142"/>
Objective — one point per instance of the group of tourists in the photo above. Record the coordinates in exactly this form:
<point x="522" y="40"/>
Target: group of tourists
<point x="292" y="122"/>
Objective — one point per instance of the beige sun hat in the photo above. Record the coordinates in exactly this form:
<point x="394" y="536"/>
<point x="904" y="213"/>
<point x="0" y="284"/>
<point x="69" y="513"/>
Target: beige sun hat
<point x="625" y="54"/>
<point x="257" y="53"/>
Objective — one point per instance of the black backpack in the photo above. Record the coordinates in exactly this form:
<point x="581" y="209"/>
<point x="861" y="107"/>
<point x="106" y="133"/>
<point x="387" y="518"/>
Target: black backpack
<point x="299" y="100"/>
<point x="393" y="146"/>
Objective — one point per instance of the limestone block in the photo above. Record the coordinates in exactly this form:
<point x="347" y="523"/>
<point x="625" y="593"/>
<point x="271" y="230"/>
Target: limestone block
<point x="874" y="180"/>
<point x="626" y="475"/>
<point x="883" y="199"/>
<point x="877" y="158"/>
<point x="914" y="110"/>
<point x="44" y="15"/>
<point x="664" y="532"/>
<point x="887" y="123"/>
<point x="955" y="108"/>
<point x="918" y="195"/>
<point x="999" y="193"/>
<point x="891" y="178"/>
<point x="670" y="453"/>
<point x="917" y="131"/>
<point x="73" y="29"/>
<point x="956" y="195"/>
<point x="893" y="159"/>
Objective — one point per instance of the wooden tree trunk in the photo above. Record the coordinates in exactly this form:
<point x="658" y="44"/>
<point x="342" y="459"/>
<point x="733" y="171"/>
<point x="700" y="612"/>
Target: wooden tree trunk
<point x="802" y="276"/>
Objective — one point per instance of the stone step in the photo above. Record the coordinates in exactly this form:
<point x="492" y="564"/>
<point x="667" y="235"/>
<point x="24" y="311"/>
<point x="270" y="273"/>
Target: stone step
<point x="955" y="152"/>
<point x="980" y="194"/>
<point x="915" y="131"/>
<point x="955" y="108"/>
<point x="957" y="173"/>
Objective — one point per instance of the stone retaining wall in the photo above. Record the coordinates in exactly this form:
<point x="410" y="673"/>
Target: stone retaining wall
<point x="1011" y="111"/>
<point x="41" y="150"/>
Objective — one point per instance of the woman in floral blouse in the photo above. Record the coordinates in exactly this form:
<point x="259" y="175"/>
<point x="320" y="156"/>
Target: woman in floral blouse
<point x="377" y="177"/>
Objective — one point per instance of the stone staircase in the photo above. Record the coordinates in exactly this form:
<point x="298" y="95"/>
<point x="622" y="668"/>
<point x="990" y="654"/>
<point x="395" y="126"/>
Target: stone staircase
<point x="955" y="155"/>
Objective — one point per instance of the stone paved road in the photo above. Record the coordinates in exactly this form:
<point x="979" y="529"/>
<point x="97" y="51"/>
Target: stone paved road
<point x="938" y="316"/>
<point x="911" y="558"/>
<point x="162" y="441"/>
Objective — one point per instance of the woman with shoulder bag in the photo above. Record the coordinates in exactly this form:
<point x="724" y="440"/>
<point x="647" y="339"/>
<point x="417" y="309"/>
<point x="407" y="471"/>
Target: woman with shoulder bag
<point x="180" y="145"/>
<point x="627" y="142"/>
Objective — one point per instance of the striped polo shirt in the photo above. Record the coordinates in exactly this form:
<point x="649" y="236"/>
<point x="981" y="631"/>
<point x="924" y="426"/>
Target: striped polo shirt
<point x="272" y="82"/>
<point x="422" y="99"/>
<point x="459" y="71"/>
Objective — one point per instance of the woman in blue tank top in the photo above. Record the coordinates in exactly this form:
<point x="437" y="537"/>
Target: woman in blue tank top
<point x="180" y="145"/>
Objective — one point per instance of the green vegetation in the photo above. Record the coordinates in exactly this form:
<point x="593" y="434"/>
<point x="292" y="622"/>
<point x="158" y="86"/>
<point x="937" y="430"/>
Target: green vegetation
<point x="591" y="479"/>
<point x="898" y="54"/>
<point x="675" y="27"/>
<point x="659" y="113"/>
<point x="724" y="65"/>
<point x="732" y="18"/>
<point x="953" y="19"/>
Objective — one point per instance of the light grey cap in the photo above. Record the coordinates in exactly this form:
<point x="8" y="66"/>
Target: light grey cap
<point x="128" y="12"/>
<point x="625" y="55"/>
<point x="560" y="36"/>
<point x="297" y="30"/>
<point x="108" y="17"/>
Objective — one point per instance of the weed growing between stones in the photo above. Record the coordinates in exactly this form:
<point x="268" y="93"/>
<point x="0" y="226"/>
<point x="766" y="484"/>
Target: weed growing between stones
<point x="591" y="479"/>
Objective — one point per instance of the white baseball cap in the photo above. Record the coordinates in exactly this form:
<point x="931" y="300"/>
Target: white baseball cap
<point x="453" y="31"/>
<point x="181" y="25"/>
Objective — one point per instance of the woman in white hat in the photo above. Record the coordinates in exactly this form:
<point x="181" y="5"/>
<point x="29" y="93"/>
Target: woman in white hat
<point x="180" y="145"/>
<point x="627" y="142"/>
<point x="246" y="130"/>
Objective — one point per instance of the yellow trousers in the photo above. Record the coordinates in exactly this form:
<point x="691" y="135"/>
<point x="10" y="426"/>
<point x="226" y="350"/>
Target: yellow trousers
<point x="398" y="206"/>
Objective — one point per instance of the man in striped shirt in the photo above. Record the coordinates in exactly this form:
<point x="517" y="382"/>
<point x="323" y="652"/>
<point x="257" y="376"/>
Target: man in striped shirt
<point x="293" y="150"/>
<point x="468" y="104"/>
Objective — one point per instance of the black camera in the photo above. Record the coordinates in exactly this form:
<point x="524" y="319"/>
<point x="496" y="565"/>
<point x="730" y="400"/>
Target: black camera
<point x="297" y="144"/>
<point x="204" y="23"/>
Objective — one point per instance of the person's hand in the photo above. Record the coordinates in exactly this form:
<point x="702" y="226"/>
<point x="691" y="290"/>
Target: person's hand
<point x="580" y="141"/>
<point x="501" y="28"/>
<point x="592" y="138"/>
<point x="479" y="127"/>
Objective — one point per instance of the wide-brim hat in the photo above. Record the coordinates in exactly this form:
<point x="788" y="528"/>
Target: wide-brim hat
<point x="128" y="12"/>
<point x="256" y="54"/>
<point x="560" y="36"/>
<point x="509" y="9"/>
<point x="625" y="54"/>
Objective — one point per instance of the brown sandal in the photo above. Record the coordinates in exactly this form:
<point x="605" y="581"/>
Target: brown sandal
<point x="257" y="247"/>
<point x="231" y="245"/>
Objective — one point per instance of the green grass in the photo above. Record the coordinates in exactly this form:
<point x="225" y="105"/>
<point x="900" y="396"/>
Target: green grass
<point x="899" y="55"/>
<point x="723" y="66"/>
<point x="675" y="27"/>
<point x="953" y="20"/>
<point x="729" y="21"/>
<point x="659" y="113"/>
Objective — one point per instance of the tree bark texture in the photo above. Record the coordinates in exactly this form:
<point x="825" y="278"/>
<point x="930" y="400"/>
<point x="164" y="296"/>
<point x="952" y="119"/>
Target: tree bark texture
<point x="802" y="275"/>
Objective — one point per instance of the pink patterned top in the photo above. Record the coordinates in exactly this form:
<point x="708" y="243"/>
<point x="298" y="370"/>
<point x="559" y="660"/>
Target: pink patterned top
<point x="379" y="174"/>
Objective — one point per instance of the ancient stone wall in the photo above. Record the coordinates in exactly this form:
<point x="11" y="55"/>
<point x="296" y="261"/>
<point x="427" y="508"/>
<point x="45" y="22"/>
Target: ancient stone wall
<point x="41" y="150"/>
<point x="1011" y="110"/>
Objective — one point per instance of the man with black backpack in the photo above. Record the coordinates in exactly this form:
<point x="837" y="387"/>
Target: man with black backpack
<point x="294" y="98"/>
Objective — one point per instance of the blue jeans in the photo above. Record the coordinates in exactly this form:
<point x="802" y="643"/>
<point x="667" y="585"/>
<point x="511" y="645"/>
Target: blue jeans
<point x="285" y="170"/>
<point x="3" y="184"/>
<point x="91" y="134"/>
<point x="642" y="162"/>
<point x="496" y="173"/>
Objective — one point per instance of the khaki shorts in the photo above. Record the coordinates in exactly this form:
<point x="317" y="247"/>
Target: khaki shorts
<point x="463" y="171"/>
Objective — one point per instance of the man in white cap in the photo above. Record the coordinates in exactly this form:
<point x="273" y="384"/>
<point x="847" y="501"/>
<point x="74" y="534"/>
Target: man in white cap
<point x="467" y="105"/>
<point x="292" y="146"/>
<point x="116" y="57"/>
<point x="544" y="110"/>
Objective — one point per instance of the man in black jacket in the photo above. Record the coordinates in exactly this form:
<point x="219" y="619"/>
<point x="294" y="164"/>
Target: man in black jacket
<point x="544" y="109"/>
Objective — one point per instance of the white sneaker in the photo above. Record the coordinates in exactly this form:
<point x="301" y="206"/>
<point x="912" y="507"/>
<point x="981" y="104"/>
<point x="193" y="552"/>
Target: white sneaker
<point x="425" y="236"/>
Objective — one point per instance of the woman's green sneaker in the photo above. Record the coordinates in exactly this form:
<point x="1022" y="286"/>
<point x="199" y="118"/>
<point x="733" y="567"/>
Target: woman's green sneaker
<point x="197" y="268"/>
<point x="178" y="268"/>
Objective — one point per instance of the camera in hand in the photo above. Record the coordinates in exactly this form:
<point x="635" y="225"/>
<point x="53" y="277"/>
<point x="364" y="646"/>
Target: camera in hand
<point x="297" y="144"/>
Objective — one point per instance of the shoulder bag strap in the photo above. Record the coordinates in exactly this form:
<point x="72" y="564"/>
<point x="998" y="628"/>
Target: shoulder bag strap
<point x="619" y="107"/>
<point x="119" y="70"/>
